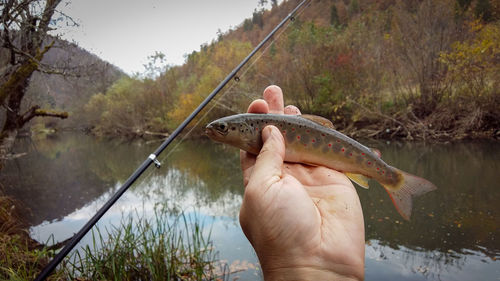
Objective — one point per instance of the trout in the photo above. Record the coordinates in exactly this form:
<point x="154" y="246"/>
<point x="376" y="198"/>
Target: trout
<point x="312" y="140"/>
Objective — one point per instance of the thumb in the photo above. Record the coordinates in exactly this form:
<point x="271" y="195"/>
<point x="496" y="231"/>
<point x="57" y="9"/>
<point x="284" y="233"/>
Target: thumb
<point x="268" y="167"/>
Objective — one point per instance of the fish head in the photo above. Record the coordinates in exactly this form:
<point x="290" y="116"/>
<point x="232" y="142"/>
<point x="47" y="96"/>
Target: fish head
<point x="234" y="130"/>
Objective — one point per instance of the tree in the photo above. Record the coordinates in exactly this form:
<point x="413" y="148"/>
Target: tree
<point x="156" y="66"/>
<point x="483" y="10"/>
<point x="257" y="18"/>
<point x="353" y="8"/>
<point x="418" y="38"/>
<point x="23" y="37"/>
<point x="334" y="16"/>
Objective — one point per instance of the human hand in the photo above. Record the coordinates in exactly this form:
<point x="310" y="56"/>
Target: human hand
<point x="304" y="222"/>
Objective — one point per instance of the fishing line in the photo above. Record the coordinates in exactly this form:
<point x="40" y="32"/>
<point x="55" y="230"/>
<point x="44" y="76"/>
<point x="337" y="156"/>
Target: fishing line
<point x="252" y="96"/>
<point x="153" y="157"/>
<point x="217" y="101"/>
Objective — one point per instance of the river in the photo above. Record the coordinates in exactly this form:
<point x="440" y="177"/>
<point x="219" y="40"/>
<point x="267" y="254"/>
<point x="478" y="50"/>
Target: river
<point x="453" y="234"/>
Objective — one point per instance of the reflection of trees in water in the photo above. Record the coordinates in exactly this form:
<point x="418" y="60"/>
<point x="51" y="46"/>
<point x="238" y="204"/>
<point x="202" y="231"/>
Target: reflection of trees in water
<point x="176" y="191"/>
<point x="53" y="179"/>
<point x="433" y="265"/>
<point x="197" y="173"/>
<point x="460" y="216"/>
<point x="463" y="215"/>
<point x="65" y="173"/>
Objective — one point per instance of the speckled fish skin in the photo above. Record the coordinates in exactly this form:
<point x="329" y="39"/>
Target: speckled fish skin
<point x="310" y="143"/>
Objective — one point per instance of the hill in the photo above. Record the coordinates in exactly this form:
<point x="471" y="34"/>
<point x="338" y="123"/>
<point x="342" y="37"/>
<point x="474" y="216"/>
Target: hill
<point x="71" y="76"/>
<point x="376" y="68"/>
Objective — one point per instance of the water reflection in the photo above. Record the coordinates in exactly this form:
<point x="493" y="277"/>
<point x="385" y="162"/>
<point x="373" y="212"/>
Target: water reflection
<point x="451" y="235"/>
<point x="461" y="215"/>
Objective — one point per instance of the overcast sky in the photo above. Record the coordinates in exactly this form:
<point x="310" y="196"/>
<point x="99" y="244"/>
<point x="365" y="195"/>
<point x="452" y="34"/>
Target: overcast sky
<point x="126" y="32"/>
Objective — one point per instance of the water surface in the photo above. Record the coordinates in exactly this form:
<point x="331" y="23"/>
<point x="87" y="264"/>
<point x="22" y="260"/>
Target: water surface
<point x="452" y="235"/>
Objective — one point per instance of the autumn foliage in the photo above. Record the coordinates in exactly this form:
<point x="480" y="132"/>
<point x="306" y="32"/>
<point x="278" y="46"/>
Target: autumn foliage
<point x="384" y="69"/>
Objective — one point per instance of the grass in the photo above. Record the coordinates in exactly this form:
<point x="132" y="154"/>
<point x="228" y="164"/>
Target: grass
<point x="21" y="258"/>
<point x="159" y="248"/>
<point x="164" y="247"/>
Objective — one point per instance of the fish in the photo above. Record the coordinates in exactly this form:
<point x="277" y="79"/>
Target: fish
<point x="312" y="140"/>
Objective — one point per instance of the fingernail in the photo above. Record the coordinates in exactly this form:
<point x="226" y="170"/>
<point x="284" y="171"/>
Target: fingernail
<point x="292" y="109"/>
<point x="266" y="133"/>
<point x="271" y="131"/>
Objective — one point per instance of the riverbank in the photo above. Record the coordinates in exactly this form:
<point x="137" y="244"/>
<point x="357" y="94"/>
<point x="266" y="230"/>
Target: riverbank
<point x="444" y="124"/>
<point x="440" y="126"/>
<point x="21" y="257"/>
<point x="171" y="247"/>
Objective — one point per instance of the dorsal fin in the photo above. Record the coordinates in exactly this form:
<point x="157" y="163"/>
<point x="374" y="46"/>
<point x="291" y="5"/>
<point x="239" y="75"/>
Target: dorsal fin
<point x="376" y="151"/>
<point x="319" y="120"/>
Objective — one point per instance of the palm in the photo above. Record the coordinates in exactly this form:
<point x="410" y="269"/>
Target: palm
<point x="330" y="224"/>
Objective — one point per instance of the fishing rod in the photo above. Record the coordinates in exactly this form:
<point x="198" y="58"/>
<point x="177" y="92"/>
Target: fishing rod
<point x="153" y="157"/>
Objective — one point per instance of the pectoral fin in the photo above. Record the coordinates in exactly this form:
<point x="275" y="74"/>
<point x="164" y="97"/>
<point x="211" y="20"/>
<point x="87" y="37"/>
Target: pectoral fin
<point x="359" y="179"/>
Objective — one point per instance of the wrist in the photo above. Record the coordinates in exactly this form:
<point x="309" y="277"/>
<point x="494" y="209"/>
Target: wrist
<point x="306" y="273"/>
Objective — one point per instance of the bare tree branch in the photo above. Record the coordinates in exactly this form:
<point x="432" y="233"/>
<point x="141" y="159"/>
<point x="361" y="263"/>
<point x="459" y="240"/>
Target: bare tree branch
<point x="35" y="111"/>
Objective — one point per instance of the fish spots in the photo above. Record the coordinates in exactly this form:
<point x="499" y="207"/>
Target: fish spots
<point x="343" y="149"/>
<point x="323" y="135"/>
<point x="369" y="163"/>
<point x="293" y="129"/>
<point x="256" y="128"/>
<point x="305" y="138"/>
<point x="308" y="131"/>
<point x="284" y="131"/>
<point x="363" y="153"/>
<point x="298" y="137"/>
<point x="313" y="140"/>
<point x="338" y="141"/>
<point x="359" y="159"/>
<point x="378" y="169"/>
<point x="337" y="147"/>
<point x="329" y="145"/>
<point x="350" y="154"/>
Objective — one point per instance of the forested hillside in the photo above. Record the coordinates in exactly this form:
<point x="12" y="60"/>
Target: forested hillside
<point x="73" y="77"/>
<point x="376" y="68"/>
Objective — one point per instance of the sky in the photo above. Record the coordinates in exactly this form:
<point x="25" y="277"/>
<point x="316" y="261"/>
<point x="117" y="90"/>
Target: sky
<point x="126" y="32"/>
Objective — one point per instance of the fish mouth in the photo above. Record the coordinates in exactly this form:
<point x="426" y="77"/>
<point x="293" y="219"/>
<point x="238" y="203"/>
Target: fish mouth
<point x="210" y="131"/>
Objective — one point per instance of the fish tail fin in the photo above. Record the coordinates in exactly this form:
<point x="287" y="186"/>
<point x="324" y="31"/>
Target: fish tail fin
<point x="410" y="187"/>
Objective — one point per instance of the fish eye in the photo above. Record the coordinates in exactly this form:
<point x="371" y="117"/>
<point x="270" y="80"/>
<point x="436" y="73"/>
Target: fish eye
<point x="223" y="126"/>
